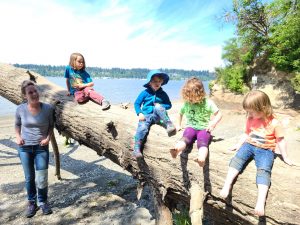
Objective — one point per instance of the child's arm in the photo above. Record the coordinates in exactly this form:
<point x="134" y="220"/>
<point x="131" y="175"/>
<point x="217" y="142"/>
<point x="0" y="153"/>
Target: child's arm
<point x="282" y="147"/>
<point x="216" y="119"/>
<point x="68" y="86"/>
<point x="81" y="86"/>
<point x="178" y="127"/>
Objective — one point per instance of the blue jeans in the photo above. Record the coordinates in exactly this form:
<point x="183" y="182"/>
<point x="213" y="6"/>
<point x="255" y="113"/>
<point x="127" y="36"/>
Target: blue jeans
<point x="263" y="158"/>
<point x="35" y="160"/>
<point x="159" y="114"/>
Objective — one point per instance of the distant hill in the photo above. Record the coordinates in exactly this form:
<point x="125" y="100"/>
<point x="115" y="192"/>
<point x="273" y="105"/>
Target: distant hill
<point x="140" y="73"/>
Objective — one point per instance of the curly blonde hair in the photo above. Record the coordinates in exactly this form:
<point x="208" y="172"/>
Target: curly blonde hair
<point x="258" y="101"/>
<point x="193" y="91"/>
<point x="73" y="58"/>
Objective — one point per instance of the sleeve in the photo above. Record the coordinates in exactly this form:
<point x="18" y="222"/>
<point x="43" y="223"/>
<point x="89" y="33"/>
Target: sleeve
<point x="182" y="109"/>
<point x="214" y="108"/>
<point x="18" y="121"/>
<point x="166" y="101"/>
<point x="67" y="72"/>
<point x="278" y="129"/>
<point x="138" y="102"/>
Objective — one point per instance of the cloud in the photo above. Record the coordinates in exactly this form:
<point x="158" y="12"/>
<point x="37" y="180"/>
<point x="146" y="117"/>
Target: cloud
<point x="126" y="34"/>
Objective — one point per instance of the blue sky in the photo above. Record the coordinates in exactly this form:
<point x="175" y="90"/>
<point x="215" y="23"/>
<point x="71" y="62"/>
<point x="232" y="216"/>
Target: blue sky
<point x="180" y="34"/>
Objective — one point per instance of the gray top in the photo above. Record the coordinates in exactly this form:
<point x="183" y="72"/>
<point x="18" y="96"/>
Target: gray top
<point x="34" y="128"/>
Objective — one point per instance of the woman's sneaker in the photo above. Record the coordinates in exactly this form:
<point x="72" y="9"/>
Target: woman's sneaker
<point x="105" y="104"/>
<point x="31" y="209"/>
<point x="46" y="209"/>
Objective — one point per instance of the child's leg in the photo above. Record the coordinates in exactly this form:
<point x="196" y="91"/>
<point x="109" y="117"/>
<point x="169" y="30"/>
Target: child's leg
<point x="80" y="96"/>
<point x="188" y="138"/>
<point x="236" y="165"/>
<point x="231" y="175"/>
<point x="141" y="132"/>
<point x="161" y="114"/>
<point x="179" y="147"/>
<point x="264" y="162"/>
<point x="92" y="94"/>
<point x="203" y="139"/>
<point x="261" y="199"/>
<point x="202" y="154"/>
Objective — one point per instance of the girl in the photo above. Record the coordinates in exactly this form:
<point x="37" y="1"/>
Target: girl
<point x="79" y="82"/>
<point x="263" y="132"/>
<point x="202" y="117"/>
<point x="34" y="128"/>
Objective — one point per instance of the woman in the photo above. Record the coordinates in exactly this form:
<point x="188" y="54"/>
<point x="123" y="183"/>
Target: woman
<point x="34" y="128"/>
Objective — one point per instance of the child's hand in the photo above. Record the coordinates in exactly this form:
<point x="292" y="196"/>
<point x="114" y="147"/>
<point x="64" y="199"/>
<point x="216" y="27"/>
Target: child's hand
<point x="141" y="117"/>
<point x="210" y="126"/>
<point x="178" y="127"/>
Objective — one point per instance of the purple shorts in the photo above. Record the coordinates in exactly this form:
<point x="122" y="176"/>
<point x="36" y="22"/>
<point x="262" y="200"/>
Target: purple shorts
<point x="202" y="136"/>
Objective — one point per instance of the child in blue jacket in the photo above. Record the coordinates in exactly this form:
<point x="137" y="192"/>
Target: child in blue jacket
<point x="150" y="106"/>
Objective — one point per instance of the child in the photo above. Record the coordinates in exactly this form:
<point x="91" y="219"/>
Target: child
<point x="151" y="106"/>
<point x="263" y="132"/>
<point x="202" y="117"/>
<point x="79" y="82"/>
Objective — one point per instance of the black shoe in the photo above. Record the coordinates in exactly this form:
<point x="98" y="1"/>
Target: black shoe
<point x="171" y="129"/>
<point x="105" y="104"/>
<point x="31" y="209"/>
<point x="46" y="209"/>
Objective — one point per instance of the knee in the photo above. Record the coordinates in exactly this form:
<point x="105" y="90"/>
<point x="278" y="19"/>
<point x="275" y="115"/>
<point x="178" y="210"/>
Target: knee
<point x="41" y="178"/>
<point x="237" y="163"/>
<point x="158" y="107"/>
<point x="263" y="176"/>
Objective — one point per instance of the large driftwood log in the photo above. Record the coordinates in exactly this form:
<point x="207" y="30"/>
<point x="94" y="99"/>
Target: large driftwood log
<point x="110" y="133"/>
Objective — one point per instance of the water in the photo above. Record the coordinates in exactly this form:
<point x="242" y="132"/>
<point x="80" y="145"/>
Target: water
<point x="115" y="90"/>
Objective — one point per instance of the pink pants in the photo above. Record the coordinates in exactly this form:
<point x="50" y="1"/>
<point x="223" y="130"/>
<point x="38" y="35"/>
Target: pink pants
<point x="86" y="94"/>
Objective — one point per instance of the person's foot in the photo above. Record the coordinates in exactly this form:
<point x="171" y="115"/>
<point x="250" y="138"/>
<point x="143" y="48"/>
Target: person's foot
<point x="200" y="162"/>
<point x="171" y="129"/>
<point x="137" y="153"/>
<point x="225" y="191"/>
<point x="46" y="209"/>
<point x="31" y="209"/>
<point x="259" y="209"/>
<point x="105" y="104"/>
<point x="174" y="152"/>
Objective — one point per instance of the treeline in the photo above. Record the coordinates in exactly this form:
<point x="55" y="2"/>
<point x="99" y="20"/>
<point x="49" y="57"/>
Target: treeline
<point x="138" y="73"/>
<point x="264" y="30"/>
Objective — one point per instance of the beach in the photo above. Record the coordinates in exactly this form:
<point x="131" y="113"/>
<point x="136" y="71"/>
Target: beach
<point x="94" y="190"/>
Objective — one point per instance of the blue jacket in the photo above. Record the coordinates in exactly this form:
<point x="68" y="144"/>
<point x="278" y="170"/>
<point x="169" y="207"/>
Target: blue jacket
<point x="146" y="99"/>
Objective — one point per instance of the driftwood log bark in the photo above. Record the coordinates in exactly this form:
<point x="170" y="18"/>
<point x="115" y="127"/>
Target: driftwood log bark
<point x="174" y="182"/>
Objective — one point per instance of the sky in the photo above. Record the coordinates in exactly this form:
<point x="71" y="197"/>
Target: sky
<point x="173" y="34"/>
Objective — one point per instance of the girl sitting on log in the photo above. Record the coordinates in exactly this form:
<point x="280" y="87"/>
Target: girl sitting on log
<point x="202" y="117"/>
<point x="263" y="132"/>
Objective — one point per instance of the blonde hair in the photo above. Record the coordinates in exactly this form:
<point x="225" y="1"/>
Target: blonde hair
<point x="24" y="85"/>
<point x="193" y="91"/>
<point x="73" y="58"/>
<point x="258" y="101"/>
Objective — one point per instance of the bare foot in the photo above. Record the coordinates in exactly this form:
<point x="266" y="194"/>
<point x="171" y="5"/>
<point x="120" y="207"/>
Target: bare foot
<point x="200" y="162"/>
<point x="225" y="191"/>
<point x="174" y="152"/>
<point x="259" y="209"/>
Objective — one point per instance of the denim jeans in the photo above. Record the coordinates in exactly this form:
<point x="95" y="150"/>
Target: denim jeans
<point x="159" y="113"/>
<point x="35" y="160"/>
<point x="263" y="158"/>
